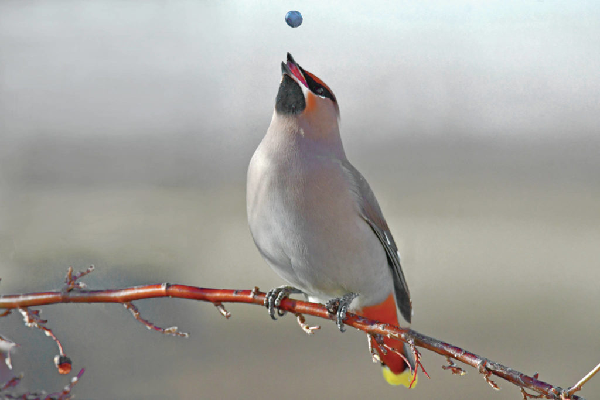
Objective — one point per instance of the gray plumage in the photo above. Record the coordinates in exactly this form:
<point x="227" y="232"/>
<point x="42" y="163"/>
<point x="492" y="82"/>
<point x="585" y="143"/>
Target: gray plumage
<point x="314" y="217"/>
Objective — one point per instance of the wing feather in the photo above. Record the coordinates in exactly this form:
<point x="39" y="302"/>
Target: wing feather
<point x="371" y="212"/>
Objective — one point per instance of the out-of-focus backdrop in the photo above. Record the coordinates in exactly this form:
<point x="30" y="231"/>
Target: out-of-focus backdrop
<point x="126" y="129"/>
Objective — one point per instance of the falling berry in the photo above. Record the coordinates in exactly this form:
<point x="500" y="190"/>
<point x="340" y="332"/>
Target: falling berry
<point x="293" y="18"/>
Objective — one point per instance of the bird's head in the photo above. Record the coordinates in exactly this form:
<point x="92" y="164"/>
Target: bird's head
<point x="305" y="96"/>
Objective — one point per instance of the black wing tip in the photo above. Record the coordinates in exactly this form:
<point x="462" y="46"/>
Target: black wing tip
<point x="403" y="301"/>
<point x="406" y="312"/>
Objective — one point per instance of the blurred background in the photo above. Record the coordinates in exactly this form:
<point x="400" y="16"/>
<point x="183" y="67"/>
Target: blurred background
<point x="125" y="133"/>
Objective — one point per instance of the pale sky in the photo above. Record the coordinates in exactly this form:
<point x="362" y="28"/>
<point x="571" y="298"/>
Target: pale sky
<point x="495" y="67"/>
<point x="200" y="77"/>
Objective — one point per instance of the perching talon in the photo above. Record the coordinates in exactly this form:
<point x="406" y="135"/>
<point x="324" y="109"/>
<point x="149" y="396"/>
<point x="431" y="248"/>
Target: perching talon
<point x="339" y="306"/>
<point x="274" y="298"/>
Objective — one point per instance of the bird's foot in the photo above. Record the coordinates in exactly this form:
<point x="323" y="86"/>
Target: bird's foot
<point x="339" y="306"/>
<point x="274" y="298"/>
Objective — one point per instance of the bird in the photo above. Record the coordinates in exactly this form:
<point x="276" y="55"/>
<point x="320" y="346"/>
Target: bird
<point x="317" y="223"/>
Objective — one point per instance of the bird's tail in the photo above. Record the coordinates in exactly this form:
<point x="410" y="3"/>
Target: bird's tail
<point x="396" y="371"/>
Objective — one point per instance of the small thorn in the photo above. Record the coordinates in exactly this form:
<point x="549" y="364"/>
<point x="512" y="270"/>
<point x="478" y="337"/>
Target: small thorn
<point x="452" y="367"/>
<point x="136" y="314"/>
<point x="222" y="310"/>
<point x="310" y="330"/>
<point x="374" y="355"/>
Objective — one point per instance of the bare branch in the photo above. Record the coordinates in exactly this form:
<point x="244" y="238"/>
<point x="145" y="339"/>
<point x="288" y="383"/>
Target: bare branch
<point x="254" y="296"/>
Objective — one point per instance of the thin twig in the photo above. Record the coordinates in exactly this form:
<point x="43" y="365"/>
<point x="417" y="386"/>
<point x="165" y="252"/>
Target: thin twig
<point x="32" y="319"/>
<point x="413" y="371"/>
<point x="417" y="357"/>
<point x="173" y="330"/>
<point x="452" y="367"/>
<point x="14" y="381"/>
<point x="483" y="370"/>
<point x="583" y="381"/>
<point x="64" y="394"/>
<point x="6" y="347"/>
<point x="71" y="280"/>
<point x="374" y="353"/>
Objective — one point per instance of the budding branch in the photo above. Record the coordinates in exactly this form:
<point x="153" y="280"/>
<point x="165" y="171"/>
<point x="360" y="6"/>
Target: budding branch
<point x="74" y="292"/>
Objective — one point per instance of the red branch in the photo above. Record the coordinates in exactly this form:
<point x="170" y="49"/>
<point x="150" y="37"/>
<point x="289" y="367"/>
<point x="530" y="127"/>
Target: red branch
<point x="219" y="296"/>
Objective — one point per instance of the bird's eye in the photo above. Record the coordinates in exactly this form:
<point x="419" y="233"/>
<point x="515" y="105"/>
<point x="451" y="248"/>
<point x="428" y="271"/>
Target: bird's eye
<point x="320" y="90"/>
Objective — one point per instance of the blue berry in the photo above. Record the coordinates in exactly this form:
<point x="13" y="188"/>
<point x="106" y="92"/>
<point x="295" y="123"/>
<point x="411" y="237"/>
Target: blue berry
<point x="293" y="18"/>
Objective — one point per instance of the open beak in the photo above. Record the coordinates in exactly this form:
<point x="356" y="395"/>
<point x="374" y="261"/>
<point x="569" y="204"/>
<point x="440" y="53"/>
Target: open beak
<point x="292" y="69"/>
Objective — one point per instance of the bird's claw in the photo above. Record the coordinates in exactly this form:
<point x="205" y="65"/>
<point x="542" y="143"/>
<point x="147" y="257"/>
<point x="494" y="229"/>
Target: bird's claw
<point x="339" y="306"/>
<point x="274" y="298"/>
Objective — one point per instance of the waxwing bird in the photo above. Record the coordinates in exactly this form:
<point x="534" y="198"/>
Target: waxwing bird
<point x="316" y="221"/>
